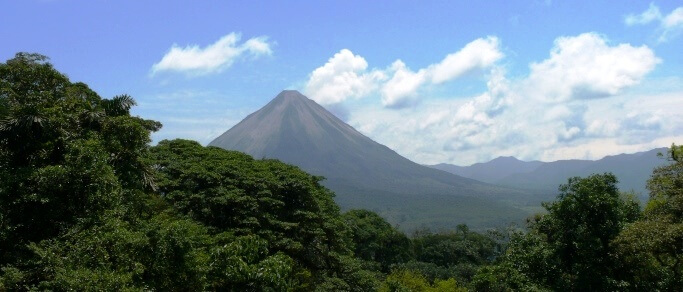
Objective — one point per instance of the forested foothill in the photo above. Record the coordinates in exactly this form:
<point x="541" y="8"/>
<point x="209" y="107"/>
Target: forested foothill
<point x="87" y="204"/>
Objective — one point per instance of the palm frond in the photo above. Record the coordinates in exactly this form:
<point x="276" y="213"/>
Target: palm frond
<point x="119" y="105"/>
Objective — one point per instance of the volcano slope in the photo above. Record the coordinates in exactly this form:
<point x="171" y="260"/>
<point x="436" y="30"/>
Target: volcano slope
<point x="365" y="174"/>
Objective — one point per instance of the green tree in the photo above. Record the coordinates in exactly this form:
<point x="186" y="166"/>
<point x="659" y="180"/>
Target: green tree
<point x="406" y="280"/>
<point x="453" y="254"/>
<point x="569" y="248"/>
<point x="528" y="264"/>
<point x="166" y="252"/>
<point x="651" y="249"/>
<point x="374" y="239"/>
<point x="288" y="208"/>
<point x="58" y="165"/>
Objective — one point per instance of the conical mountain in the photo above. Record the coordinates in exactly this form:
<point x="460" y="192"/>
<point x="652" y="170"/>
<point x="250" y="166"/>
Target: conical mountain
<point x="297" y="130"/>
<point x="362" y="172"/>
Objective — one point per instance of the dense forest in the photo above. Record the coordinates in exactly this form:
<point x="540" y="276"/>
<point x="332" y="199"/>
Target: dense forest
<point x="87" y="204"/>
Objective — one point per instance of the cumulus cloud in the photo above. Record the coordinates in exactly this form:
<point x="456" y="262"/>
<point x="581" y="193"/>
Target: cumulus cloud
<point x="346" y="75"/>
<point x="567" y="102"/>
<point x="670" y="25"/>
<point x="400" y="90"/>
<point x="404" y="84"/>
<point x="194" y="60"/>
<point x="585" y="67"/>
<point x="479" y="54"/>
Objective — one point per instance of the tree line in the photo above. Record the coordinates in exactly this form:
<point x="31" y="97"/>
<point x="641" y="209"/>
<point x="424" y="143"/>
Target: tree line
<point x="87" y="204"/>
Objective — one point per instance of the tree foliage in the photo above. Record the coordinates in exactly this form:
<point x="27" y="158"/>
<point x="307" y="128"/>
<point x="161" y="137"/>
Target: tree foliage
<point x="407" y="280"/>
<point x="589" y="213"/>
<point x="651" y="249"/>
<point x="288" y="208"/>
<point x="61" y="159"/>
<point x="570" y="247"/>
<point x="374" y="239"/>
<point x="453" y="254"/>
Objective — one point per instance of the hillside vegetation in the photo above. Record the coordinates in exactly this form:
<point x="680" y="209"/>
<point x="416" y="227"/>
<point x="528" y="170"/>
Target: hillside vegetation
<point x="87" y="204"/>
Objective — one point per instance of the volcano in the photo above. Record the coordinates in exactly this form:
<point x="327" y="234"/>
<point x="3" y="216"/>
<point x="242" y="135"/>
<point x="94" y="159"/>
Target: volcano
<point x="365" y="174"/>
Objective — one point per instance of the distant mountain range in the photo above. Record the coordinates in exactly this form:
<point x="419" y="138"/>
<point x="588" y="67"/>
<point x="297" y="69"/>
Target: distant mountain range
<point x="366" y="174"/>
<point x="632" y="170"/>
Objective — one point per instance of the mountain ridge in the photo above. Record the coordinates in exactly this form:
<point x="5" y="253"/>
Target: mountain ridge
<point x="632" y="169"/>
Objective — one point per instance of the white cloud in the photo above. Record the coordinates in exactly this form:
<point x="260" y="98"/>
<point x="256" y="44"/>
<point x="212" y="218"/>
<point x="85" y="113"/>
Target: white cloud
<point x="651" y="14"/>
<point x="346" y="75"/>
<point x="585" y="66"/>
<point x="603" y="128"/>
<point x="670" y="25"/>
<point x="453" y="132"/>
<point x="568" y="102"/>
<point x="553" y="113"/>
<point x="479" y="54"/>
<point x="400" y="90"/>
<point x="481" y="109"/>
<point x="673" y="21"/>
<point x="213" y="58"/>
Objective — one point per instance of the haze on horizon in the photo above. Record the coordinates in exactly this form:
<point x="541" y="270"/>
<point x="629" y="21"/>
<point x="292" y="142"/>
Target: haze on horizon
<point x="436" y="82"/>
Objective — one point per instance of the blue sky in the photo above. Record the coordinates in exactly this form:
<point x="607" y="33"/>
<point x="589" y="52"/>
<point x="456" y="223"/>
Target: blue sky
<point x="437" y="81"/>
